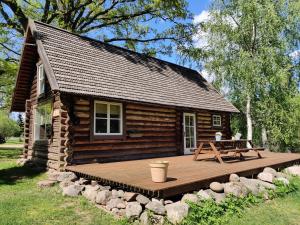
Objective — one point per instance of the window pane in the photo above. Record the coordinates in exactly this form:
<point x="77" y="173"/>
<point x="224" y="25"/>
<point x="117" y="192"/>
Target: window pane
<point x="115" y="111"/>
<point x="115" y="126"/>
<point x="43" y="121"/>
<point x="187" y="121"/>
<point x="191" y="121"/>
<point x="101" y="126"/>
<point x="192" y="142"/>
<point x="101" y="110"/>
<point x="187" y="143"/>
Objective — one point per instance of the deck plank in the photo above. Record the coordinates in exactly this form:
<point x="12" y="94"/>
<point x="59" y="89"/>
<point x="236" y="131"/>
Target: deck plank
<point x="184" y="174"/>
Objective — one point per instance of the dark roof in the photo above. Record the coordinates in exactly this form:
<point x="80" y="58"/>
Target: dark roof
<point x="85" y="66"/>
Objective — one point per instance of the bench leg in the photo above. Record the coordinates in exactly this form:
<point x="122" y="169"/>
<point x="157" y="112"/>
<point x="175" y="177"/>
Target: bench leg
<point x="197" y="152"/>
<point x="258" y="154"/>
<point x="241" y="156"/>
<point x="216" y="152"/>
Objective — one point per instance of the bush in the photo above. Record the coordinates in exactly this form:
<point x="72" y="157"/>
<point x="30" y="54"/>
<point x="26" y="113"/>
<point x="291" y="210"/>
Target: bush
<point x="8" y="127"/>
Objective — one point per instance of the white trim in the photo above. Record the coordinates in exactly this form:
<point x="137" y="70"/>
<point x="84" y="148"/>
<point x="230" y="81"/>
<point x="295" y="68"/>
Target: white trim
<point x="214" y="121"/>
<point x="188" y="150"/>
<point x="108" y="104"/>
<point x="39" y="79"/>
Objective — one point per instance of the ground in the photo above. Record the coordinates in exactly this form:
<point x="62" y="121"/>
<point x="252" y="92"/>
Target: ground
<point x="21" y="202"/>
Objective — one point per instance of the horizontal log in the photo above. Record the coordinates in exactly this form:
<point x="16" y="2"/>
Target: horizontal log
<point x="148" y="108"/>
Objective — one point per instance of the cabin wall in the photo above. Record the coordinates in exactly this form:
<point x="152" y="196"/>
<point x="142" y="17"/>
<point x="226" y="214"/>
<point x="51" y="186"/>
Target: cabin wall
<point x="156" y="125"/>
<point x="48" y="152"/>
<point x="160" y="130"/>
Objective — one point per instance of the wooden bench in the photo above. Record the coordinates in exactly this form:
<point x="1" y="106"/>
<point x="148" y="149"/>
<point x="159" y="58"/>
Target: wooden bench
<point x="226" y="146"/>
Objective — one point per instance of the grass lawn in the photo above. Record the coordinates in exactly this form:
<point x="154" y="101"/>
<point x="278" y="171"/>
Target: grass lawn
<point x="21" y="202"/>
<point x="280" y="211"/>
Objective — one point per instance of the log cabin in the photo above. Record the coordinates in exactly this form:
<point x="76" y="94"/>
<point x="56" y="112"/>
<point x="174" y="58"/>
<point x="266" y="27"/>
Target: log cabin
<point x="87" y="101"/>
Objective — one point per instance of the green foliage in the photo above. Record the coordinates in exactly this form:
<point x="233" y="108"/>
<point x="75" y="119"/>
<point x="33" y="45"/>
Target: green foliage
<point x="8" y="72"/>
<point x="208" y="212"/>
<point x="128" y="23"/>
<point x="8" y="127"/>
<point x="248" y="50"/>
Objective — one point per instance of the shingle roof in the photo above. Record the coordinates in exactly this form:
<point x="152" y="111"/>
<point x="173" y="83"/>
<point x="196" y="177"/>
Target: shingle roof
<point x="89" y="67"/>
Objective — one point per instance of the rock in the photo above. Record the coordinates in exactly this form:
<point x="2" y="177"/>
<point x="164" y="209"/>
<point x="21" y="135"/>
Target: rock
<point x="218" y="197"/>
<point x="293" y="170"/>
<point x="103" y="188"/>
<point x="157" y="219"/>
<point x="203" y="195"/>
<point x="121" y="193"/>
<point x="157" y="200"/>
<point x="72" y="190"/>
<point x="115" y="211"/>
<point x="282" y="180"/>
<point x="235" y="188"/>
<point x="271" y="171"/>
<point x="168" y="202"/>
<point x="66" y="176"/>
<point x="94" y="183"/>
<point x="130" y="196"/>
<point x="133" y="210"/>
<point x="121" y="205"/>
<point x="177" y="211"/>
<point x="145" y="218"/>
<point x="113" y="203"/>
<point x="114" y="193"/>
<point x="264" y="176"/>
<point x="82" y="181"/>
<point x="190" y="197"/>
<point x="46" y="183"/>
<point x="122" y="212"/>
<point x="90" y="192"/>
<point x="52" y="175"/>
<point x="265" y="184"/>
<point x="216" y="187"/>
<point x="234" y="178"/>
<point x="156" y="207"/>
<point x="142" y="199"/>
<point x="65" y="184"/>
<point x="256" y="186"/>
<point x="103" y="197"/>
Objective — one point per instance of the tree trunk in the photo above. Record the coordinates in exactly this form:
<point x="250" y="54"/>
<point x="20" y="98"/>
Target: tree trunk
<point x="249" y="120"/>
<point x="264" y="137"/>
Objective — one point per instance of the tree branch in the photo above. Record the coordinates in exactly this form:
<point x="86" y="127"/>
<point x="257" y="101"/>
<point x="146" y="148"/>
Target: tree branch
<point x="9" y="49"/>
<point x="139" y="40"/>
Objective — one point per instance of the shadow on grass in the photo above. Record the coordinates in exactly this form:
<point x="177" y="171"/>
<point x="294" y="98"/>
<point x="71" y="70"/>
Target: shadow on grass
<point x="11" y="175"/>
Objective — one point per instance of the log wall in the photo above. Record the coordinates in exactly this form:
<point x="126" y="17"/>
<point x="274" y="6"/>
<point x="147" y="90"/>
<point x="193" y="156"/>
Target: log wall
<point x="160" y="131"/>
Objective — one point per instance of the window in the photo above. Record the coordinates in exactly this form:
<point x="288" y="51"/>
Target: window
<point x="107" y="118"/>
<point x="216" y="120"/>
<point x="42" y="121"/>
<point x="41" y="79"/>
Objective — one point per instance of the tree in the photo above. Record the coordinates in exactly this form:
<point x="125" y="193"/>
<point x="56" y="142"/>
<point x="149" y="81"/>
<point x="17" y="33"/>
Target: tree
<point x="247" y="49"/>
<point x="8" y="127"/>
<point x="8" y="71"/>
<point x="131" y="23"/>
<point x="20" y="123"/>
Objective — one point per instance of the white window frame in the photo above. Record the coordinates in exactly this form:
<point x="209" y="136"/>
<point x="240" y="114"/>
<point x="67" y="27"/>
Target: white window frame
<point x="108" y="104"/>
<point x="40" y="77"/>
<point x="214" y="121"/>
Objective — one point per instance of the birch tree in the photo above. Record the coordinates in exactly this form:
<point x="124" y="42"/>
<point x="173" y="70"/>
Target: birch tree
<point x="247" y="48"/>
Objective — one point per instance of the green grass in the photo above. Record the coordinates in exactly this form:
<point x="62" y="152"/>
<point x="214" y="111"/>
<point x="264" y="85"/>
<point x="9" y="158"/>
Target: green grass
<point x="279" y="211"/>
<point x="14" y="140"/>
<point x="21" y="202"/>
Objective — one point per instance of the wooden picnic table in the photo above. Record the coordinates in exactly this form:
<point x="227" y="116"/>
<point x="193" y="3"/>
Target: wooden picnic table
<point x="217" y="148"/>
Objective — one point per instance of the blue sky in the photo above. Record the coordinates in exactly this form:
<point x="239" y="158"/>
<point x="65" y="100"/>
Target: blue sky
<point x="196" y="7"/>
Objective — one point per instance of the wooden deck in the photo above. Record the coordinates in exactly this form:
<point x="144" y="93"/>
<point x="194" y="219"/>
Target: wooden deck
<point x="184" y="174"/>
